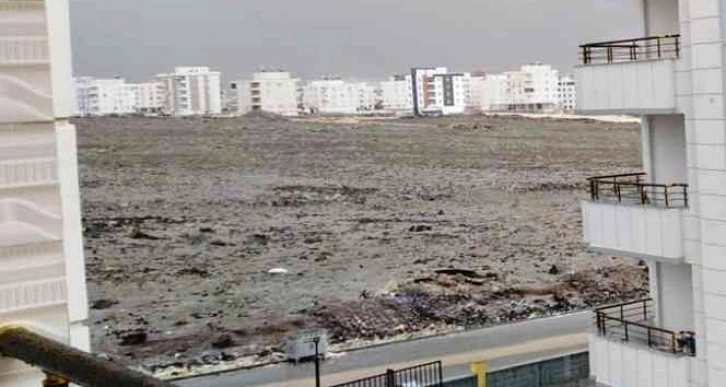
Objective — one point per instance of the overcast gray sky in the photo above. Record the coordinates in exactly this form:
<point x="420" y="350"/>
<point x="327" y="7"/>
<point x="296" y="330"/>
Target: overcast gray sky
<point x="366" y="39"/>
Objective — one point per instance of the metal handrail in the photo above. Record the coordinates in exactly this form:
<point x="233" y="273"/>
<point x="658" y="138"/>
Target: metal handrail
<point x="63" y="364"/>
<point x="625" y="50"/>
<point x="630" y="322"/>
<point x="630" y="188"/>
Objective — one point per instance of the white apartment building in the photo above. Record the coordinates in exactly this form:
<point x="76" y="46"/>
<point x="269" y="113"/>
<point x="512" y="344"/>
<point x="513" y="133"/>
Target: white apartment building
<point x="674" y="215"/>
<point x="435" y="91"/>
<point x="103" y="97"/>
<point x="567" y="93"/>
<point x="335" y="96"/>
<point x="274" y="92"/>
<point x="397" y="95"/>
<point x="150" y="97"/>
<point x="533" y="88"/>
<point x="42" y="276"/>
<point x="192" y="91"/>
<point x="489" y="93"/>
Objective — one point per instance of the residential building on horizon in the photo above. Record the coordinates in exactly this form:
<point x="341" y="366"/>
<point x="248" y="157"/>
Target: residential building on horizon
<point x="192" y="91"/>
<point x="336" y="96"/>
<point x="436" y="91"/>
<point x="103" y="97"/>
<point x="271" y="91"/>
<point x="397" y="95"/>
<point x="150" y="97"/>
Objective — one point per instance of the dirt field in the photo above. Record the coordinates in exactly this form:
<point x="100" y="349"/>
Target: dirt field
<point x="386" y="229"/>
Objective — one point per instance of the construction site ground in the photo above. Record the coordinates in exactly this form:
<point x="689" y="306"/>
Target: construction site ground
<point x="374" y="229"/>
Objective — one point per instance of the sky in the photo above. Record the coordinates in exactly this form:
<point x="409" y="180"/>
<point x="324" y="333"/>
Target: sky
<point x="358" y="39"/>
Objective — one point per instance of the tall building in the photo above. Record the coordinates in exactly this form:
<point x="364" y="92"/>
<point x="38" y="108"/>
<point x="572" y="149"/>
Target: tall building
<point x="274" y="92"/>
<point x="435" y="91"/>
<point x="42" y="276"/>
<point x="397" y="95"/>
<point x="192" y="91"/>
<point x="673" y="216"/>
<point x="103" y="97"/>
<point x="335" y="96"/>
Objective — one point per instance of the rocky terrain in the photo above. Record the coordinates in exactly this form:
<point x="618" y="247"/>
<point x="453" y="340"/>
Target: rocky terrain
<point x="378" y="229"/>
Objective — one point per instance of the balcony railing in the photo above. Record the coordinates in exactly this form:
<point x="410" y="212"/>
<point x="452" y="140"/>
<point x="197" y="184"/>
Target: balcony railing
<point x="631" y="189"/>
<point x="634" y="322"/>
<point x="628" y="50"/>
<point x="63" y="364"/>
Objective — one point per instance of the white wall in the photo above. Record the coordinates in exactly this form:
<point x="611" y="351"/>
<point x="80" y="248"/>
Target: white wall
<point x="674" y="296"/>
<point x="642" y="87"/>
<point x="618" y="364"/>
<point x="270" y="91"/>
<point x="667" y="136"/>
<point x="661" y="17"/>
<point x="634" y="230"/>
<point x="42" y="278"/>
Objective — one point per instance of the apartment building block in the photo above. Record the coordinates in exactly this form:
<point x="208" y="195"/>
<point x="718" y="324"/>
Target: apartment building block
<point x="397" y="95"/>
<point x="103" y="97"/>
<point x="149" y="97"/>
<point x="192" y="91"/>
<point x="335" y="96"/>
<point x="436" y="91"/>
<point x="270" y="91"/>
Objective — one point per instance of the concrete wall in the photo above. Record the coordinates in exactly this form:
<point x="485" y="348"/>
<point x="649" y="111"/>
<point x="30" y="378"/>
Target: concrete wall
<point x="661" y="17"/>
<point x="643" y="87"/>
<point x="675" y="296"/>
<point x="42" y="276"/>
<point x="667" y="143"/>
<point x="634" y="230"/>
<point x="619" y="364"/>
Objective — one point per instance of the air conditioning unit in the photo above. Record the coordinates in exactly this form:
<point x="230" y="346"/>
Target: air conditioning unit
<point x="301" y="345"/>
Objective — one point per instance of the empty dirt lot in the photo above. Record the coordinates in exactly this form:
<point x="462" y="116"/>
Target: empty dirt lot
<point x="386" y="228"/>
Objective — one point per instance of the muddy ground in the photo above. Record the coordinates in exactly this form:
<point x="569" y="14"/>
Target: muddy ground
<point x="386" y="229"/>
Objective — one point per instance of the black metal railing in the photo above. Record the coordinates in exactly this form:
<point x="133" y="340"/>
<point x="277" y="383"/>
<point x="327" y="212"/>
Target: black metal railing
<point x="423" y="375"/>
<point x="635" y="322"/>
<point x="628" y="50"/>
<point x="632" y="188"/>
<point x="63" y="364"/>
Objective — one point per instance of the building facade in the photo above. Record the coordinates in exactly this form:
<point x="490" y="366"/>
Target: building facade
<point x="673" y="215"/>
<point x="103" y="97"/>
<point x="42" y="276"/>
<point x="274" y="92"/>
<point x="436" y="91"/>
<point x="397" y="95"/>
<point x="192" y="91"/>
<point x="533" y="89"/>
<point x="335" y="96"/>
<point x="567" y="93"/>
<point x="489" y="93"/>
<point x="149" y="97"/>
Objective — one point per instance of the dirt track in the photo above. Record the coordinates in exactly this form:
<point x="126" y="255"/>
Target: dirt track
<point x="184" y="218"/>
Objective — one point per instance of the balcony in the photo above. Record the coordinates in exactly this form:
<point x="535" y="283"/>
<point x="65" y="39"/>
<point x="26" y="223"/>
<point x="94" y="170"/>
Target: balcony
<point x="634" y="76"/>
<point x="627" y="217"/>
<point x="629" y="349"/>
